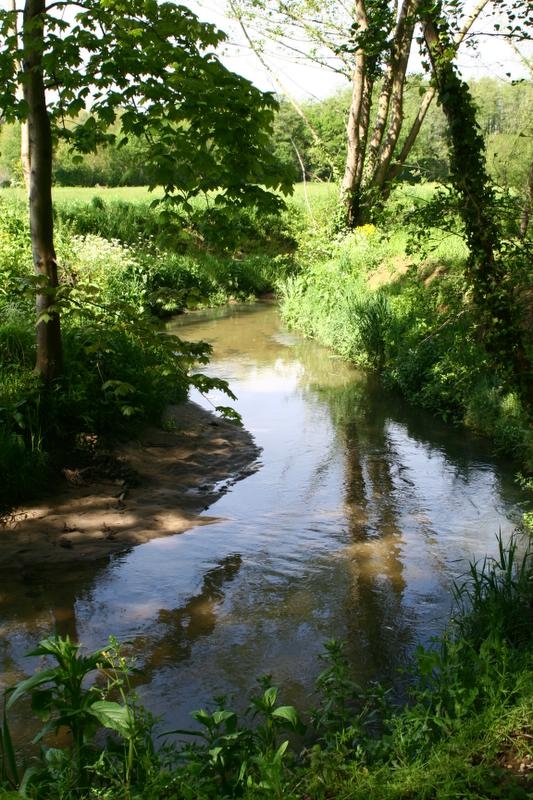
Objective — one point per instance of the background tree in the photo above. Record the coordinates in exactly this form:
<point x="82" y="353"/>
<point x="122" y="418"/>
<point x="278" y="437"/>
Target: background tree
<point x="152" y="64"/>
<point x="370" y="43"/>
<point x="505" y="115"/>
<point x="10" y="161"/>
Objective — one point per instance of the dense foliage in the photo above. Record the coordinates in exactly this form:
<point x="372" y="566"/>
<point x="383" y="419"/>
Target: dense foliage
<point x="123" y="266"/>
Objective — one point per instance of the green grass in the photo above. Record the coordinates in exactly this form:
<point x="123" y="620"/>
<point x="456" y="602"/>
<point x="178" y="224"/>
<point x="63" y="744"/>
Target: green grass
<point x="317" y="193"/>
<point x="84" y="194"/>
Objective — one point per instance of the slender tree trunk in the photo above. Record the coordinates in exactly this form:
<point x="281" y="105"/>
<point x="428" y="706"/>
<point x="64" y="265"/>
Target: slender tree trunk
<point x="25" y="156"/>
<point x="49" y="345"/>
<point x="528" y="203"/>
<point x="395" y="166"/>
<point x="364" y="127"/>
<point x="359" y="110"/>
<point x="366" y="168"/>
<point x="24" y="135"/>
<point x="400" y="57"/>
<point x="487" y="274"/>
<point x="350" y="188"/>
<point x="382" y="114"/>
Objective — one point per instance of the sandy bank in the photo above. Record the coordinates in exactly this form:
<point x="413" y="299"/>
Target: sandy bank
<point x="171" y="475"/>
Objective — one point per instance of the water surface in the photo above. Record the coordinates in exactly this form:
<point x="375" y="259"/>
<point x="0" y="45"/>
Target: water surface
<point x="361" y="515"/>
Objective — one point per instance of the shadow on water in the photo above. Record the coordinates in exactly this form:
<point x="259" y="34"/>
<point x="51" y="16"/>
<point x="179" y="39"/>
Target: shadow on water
<point x="363" y="513"/>
<point x="176" y="630"/>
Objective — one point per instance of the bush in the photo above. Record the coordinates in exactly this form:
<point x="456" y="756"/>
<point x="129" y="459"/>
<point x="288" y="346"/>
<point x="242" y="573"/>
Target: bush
<point x="119" y="372"/>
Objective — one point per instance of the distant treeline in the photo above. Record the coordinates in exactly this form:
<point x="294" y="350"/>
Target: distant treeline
<point x="505" y="117"/>
<point x="313" y="142"/>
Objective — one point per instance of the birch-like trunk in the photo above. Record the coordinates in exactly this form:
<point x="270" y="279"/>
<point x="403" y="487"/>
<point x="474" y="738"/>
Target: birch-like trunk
<point x="358" y="113"/>
<point x="528" y="204"/>
<point x="400" y="57"/>
<point x="396" y="165"/>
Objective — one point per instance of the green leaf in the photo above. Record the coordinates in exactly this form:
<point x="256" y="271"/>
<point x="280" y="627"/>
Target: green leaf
<point x="204" y="718"/>
<point x="288" y="713"/>
<point x="30" y="683"/>
<point x="280" y="752"/>
<point x="229" y="414"/>
<point x="114" y="716"/>
<point x="6" y="747"/>
<point x="270" y="696"/>
<point x="221" y="716"/>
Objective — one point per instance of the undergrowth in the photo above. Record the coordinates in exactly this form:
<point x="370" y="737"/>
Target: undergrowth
<point x="402" y="307"/>
<point x="465" y="731"/>
<point x="122" y="266"/>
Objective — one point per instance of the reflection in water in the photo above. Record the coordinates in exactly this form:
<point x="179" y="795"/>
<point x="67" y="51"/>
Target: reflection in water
<point x="171" y="639"/>
<point x="362" y="514"/>
<point x="380" y="633"/>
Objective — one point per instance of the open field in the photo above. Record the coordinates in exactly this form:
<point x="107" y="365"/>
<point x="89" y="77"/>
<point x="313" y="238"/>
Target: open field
<point x="313" y="194"/>
<point x="80" y="194"/>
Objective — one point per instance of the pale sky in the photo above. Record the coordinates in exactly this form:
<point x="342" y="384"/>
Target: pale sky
<point x="493" y="58"/>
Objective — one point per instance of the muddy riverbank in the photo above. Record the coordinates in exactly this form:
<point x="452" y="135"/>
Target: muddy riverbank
<point x="165" y="479"/>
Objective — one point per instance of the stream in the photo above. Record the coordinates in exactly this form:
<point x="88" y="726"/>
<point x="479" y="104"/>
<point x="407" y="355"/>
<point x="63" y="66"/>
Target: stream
<point x="361" y="514"/>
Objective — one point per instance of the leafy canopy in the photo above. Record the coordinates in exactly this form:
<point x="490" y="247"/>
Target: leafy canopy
<point x="152" y="65"/>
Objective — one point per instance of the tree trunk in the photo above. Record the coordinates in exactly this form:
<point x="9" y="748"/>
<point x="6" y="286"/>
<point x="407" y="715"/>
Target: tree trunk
<point x="49" y="345"/>
<point x="400" y="57"/>
<point x="366" y="171"/>
<point x="528" y="203"/>
<point x="359" y="111"/>
<point x="486" y="273"/>
<point x="395" y="165"/>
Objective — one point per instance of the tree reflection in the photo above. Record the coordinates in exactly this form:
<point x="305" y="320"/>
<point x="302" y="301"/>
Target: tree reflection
<point x="175" y="630"/>
<point x="379" y="633"/>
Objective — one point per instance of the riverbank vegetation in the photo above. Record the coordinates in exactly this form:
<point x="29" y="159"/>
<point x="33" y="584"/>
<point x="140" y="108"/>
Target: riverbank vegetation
<point x="464" y="732"/>
<point x="123" y="267"/>
<point x="397" y="302"/>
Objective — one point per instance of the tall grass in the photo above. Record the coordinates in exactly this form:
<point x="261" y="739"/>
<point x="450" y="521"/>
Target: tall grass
<point x="382" y="301"/>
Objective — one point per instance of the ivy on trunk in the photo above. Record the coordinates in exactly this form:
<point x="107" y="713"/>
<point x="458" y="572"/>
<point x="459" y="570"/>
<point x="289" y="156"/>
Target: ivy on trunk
<point x="487" y="270"/>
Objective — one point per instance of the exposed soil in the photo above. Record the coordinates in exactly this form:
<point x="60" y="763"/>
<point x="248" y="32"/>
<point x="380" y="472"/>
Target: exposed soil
<point x="155" y="486"/>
